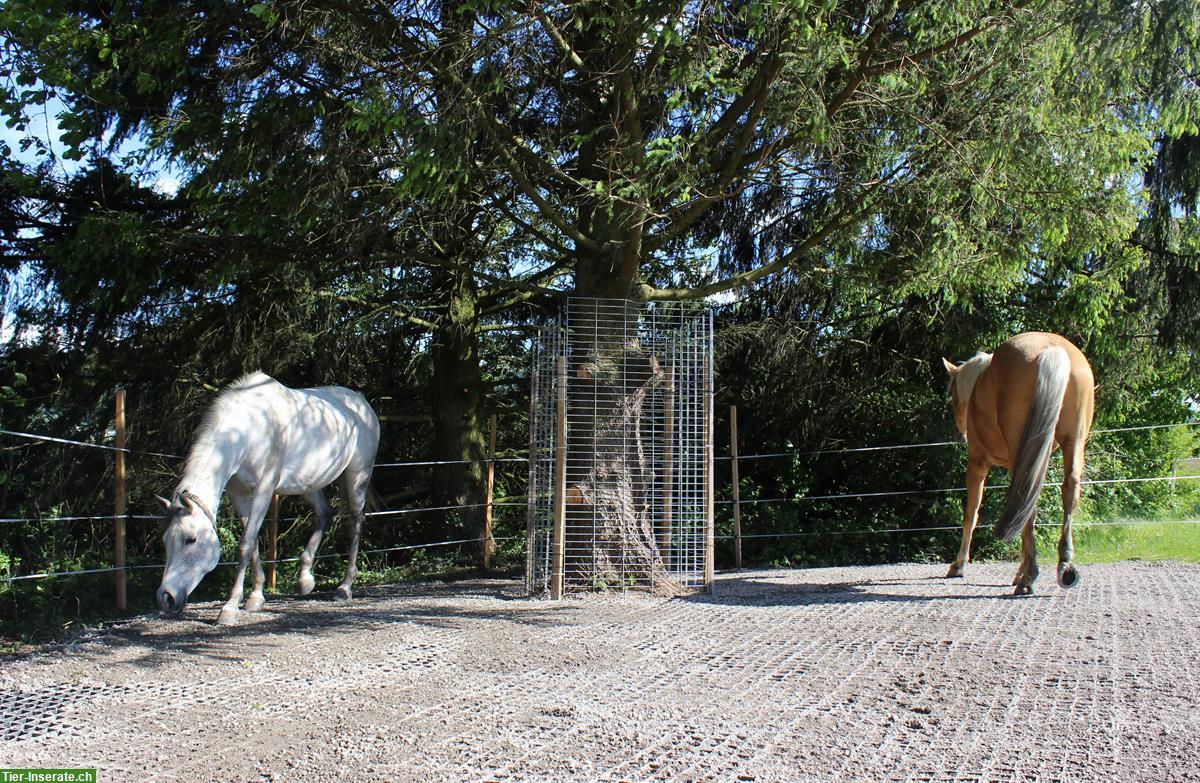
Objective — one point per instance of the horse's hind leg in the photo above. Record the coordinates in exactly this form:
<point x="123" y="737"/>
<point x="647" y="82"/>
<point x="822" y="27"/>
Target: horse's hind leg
<point x="1068" y="575"/>
<point x="305" y="582"/>
<point x="976" y="477"/>
<point x="356" y="498"/>
<point x="1028" y="571"/>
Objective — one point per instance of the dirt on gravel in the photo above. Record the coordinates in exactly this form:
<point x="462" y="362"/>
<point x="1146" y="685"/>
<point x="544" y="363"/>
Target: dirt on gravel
<point x="886" y="673"/>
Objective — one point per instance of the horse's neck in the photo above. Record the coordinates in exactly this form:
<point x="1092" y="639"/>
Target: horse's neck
<point x="968" y="376"/>
<point x="211" y="463"/>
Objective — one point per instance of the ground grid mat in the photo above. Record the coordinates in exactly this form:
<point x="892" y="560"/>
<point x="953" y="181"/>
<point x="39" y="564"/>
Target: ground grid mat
<point x="885" y="673"/>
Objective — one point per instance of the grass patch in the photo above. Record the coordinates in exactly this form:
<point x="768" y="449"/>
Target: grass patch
<point x="1111" y="543"/>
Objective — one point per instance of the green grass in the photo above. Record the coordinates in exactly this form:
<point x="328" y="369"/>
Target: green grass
<point x="1178" y="541"/>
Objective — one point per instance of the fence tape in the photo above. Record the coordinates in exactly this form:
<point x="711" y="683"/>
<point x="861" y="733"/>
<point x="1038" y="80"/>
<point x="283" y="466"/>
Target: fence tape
<point x="748" y="457"/>
<point x="264" y="561"/>
<point x="881" y="531"/>
<point x="741" y="457"/>
<point x="898" y="492"/>
<point x="50" y="439"/>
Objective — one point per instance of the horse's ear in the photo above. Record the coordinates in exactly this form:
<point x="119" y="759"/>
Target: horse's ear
<point x="166" y="504"/>
<point x="951" y="367"/>
<point x="186" y="502"/>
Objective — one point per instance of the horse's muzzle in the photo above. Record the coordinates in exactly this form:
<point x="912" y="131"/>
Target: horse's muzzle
<point x="170" y="603"/>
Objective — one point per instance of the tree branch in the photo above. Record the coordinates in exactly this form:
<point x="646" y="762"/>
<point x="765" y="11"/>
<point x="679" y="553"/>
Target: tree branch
<point x="557" y="37"/>
<point x="852" y="212"/>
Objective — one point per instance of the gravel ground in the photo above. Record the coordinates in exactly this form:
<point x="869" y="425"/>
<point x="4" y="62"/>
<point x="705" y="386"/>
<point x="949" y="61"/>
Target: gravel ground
<point x="881" y="673"/>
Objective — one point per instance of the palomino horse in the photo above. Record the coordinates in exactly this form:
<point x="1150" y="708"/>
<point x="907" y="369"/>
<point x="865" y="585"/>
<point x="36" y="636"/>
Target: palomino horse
<point x="1012" y="407"/>
<point x="260" y="439"/>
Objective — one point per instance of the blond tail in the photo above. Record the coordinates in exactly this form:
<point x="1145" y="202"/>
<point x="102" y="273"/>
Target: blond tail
<point x="1037" y="442"/>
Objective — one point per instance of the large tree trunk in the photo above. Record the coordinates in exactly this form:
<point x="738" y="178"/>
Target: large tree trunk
<point x="611" y="480"/>
<point x="614" y="389"/>
<point x="458" y="436"/>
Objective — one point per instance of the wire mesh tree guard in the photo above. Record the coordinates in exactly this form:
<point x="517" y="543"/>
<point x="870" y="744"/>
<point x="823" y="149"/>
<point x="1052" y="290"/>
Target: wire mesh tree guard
<point x="620" y="469"/>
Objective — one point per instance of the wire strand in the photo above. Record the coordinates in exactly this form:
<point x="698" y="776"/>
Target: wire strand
<point x="264" y="561"/>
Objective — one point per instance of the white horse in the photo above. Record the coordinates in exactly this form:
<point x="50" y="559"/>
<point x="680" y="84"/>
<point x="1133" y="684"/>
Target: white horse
<point x="261" y="439"/>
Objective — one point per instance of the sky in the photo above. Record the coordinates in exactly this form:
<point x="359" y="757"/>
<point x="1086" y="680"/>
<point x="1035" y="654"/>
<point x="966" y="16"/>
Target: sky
<point x="44" y="126"/>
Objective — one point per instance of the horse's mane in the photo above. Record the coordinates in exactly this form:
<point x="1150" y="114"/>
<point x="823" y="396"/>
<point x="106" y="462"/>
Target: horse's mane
<point x="968" y="373"/>
<point x="206" y="430"/>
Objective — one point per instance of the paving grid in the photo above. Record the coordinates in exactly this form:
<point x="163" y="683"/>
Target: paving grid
<point x="881" y="673"/>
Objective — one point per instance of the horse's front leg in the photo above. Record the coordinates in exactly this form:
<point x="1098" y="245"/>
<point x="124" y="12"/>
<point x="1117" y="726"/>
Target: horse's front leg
<point x="1028" y="571"/>
<point x="255" y="600"/>
<point x="977" y="471"/>
<point x="247" y="548"/>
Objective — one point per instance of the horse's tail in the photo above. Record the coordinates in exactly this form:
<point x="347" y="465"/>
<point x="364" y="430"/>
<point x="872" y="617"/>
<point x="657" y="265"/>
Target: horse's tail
<point x="1037" y="442"/>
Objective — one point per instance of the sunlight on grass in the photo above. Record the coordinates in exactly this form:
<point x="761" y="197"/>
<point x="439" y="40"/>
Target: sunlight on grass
<point x="1135" y="540"/>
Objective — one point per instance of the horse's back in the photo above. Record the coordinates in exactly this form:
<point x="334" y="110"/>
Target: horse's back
<point x="303" y="439"/>
<point x="353" y="407"/>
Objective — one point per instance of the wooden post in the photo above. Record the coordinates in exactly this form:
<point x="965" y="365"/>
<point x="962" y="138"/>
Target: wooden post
<point x="668" y="496"/>
<point x="489" y="545"/>
<point x="710" y="532"/>
<point x="272" y="542"/>
<point x="558" y="548"/>
<point x="119" y="501"/>
<point x="737" y="495"/>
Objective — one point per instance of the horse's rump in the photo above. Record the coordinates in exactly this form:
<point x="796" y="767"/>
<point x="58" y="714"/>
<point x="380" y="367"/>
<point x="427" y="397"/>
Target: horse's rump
<point x="1037" y="442"/>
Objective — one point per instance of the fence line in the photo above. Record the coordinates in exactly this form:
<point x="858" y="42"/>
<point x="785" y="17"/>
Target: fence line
<point x="112" y="569"/>
<point x="97" y="518"/>
<point x="895" y="493"/>
<point x="515" y="504"/>
<point x="860" y="449"/>
<point x="484" y="460"/>
<point x="104" y="446"/>
<point x="883" y="531"/>
<point x="807" y="534"/>
<point x="120" y="518"/>
<point x="427" y="463"/>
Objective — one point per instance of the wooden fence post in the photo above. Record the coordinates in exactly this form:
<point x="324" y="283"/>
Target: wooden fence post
<point x="272" y="541"/>
<point x="737" y="495"/>
<point x="558" y="549"/>
<point x="489" y="544"/>
<point x="119" y="501"/>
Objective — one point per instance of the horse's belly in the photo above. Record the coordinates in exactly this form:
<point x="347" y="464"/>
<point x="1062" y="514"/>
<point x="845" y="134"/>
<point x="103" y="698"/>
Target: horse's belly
<point x="302" y="482"/>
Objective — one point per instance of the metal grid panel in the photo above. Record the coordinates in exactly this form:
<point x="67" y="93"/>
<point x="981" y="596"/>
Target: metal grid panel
<point x="547" y="349"/>
<point x="637" y="418"/>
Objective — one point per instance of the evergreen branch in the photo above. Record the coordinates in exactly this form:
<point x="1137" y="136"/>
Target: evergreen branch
<point x="853" y="211"/>
<point x="557" y="36"/>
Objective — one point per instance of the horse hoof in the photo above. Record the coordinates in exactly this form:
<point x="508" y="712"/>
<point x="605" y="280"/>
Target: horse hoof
<point x="253" y="604"/>
<point x="342" y="593"/>
<point x="1068" y="576"/>
<point x="228" y="617"/>
<point x="955" y="571"/>
<point x="1023" y="590"/>
<point x="305" y="584"/>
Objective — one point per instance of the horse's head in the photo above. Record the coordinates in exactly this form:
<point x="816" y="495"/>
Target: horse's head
<point x="957" y="404"/>
<point x="193" y="548"/>
<point x="963" y="378"/>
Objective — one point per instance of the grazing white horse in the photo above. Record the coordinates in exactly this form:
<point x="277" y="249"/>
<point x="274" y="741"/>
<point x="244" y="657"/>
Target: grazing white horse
<point x="260" y="439"/>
